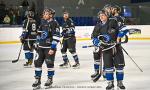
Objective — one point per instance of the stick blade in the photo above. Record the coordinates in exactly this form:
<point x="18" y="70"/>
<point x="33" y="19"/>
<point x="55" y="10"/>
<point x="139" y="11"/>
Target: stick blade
<point x="84" y="46"/>
<point x="14" y="61"/>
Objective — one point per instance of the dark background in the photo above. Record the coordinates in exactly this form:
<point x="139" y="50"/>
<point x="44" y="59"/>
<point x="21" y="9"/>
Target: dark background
<point x="86" y="13"/>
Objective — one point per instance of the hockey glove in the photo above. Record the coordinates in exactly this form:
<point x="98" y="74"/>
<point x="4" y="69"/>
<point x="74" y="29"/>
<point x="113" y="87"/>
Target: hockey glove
<point x="106" y="38"/>
<point x="54" y="45"/>
<point x="22" y="40"/>
<point x="23" y="36"/>
<point x="121" y="34"/>
<point x="96" y="42"/>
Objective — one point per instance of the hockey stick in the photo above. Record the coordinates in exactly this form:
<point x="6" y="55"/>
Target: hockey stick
<point x="14" y="61"/>
<point x="132" y="60"/>
<point x="96" y="78"/>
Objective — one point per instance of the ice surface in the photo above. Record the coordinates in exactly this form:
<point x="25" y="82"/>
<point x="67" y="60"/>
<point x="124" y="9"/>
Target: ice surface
<point x="13" y="76"/>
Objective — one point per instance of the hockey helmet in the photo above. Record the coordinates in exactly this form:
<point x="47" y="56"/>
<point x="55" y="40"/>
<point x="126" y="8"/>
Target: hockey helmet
<point x="50" y="10"/>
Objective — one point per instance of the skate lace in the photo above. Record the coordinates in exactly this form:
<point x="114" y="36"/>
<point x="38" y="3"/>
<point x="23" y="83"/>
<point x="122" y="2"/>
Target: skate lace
<point x="110" y="84"/>
<point x="48" y="81"/>
<point x="36" y="81"/>
<point x="120" y="84"/>
<point x="76" y="64"/>
<point x="65" y="64"/>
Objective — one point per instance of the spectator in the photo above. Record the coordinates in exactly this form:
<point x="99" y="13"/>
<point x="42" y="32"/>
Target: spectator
<point x="6" y="19"/>
<point x="12" y="17"/>
<point x="2" y="11"/>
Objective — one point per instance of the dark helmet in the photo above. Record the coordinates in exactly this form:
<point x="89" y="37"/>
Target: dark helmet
<point x="30" y="14"/>
<point x="50" y="10"/>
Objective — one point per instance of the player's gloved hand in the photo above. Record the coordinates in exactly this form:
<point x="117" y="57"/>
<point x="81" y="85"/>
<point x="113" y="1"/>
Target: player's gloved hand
<point x="23" y="36"/>
<point x="123" y="33"/>
<point x="53" y="45"/>
<point x="106" y="38"/>
<point x="96" y="42"/>
<point x="22" y="40"/>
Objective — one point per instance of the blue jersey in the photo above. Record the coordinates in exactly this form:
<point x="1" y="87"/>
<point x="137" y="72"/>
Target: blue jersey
<point x="49" y="33"/>
<point x="68" y="28"/>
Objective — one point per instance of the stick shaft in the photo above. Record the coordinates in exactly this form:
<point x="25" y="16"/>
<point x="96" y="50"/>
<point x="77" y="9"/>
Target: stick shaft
<point x="132" y="60"/>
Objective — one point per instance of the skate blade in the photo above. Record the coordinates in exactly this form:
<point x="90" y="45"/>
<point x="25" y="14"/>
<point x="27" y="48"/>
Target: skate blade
<point x="120" y="89"/>
<point x="48" y="87"/>
<point x="78" y="67"/>
<point x="63" y="67"/>
<point x="96" y="79"/>
<point x="110" y="89"/>
<point x="36" y="88"/>
<point x="27" y="66"/>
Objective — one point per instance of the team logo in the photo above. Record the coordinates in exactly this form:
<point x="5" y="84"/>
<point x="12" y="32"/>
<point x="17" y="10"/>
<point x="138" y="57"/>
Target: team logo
<point x="44" y="34"/>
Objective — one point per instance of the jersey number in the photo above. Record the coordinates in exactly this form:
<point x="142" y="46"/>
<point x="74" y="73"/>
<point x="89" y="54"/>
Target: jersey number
<point x="33" y="27"/>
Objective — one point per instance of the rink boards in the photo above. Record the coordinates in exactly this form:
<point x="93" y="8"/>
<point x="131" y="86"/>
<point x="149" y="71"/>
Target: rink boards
<point x="10" y="35"/>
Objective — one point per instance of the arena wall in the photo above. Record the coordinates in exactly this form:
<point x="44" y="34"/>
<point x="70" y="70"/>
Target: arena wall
<point x="10" y="35"/>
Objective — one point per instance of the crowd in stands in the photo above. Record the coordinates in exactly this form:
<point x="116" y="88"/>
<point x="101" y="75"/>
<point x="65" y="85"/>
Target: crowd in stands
<point x="13" y="15"/>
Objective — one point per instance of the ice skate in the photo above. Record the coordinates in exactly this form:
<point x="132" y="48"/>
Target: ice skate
<point x="76" y="66"/>
<point x="37" y="84"/>
<point x="64" y="65"/>
<point x="120" y="85"/>
<point x="28" y="64"/>
<point x="48" y="83"/>
<point x="110" y="86"/>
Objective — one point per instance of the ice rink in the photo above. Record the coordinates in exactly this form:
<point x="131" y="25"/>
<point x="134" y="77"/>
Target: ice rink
<point x="13" y="76"/>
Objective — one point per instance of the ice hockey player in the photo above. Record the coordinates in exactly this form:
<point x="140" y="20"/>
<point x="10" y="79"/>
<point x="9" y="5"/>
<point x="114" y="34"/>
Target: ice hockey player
<point x="69" y="41"/>
<point x="116" y="10"/>
<point x="48" y="38"/>
<point x="97" y="53"/>
<point x="113" y="58"/>
<point x="28" y="37"/>
<point x="116" y="15"/>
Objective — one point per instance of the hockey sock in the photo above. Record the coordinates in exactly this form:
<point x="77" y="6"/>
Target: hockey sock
<point x="50" y="72"/>
<point x="109" y="74"/>
<point x="119" y="74"/>
<point x="38" y="72"/>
